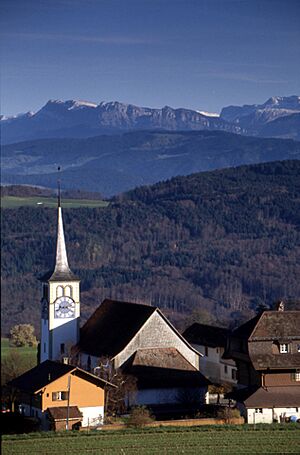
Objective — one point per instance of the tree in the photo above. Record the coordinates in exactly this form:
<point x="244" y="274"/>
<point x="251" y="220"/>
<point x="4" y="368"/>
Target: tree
<point x="117" y="399"/>
<point x="12" y="366"/>
<point x="22" y="335"/>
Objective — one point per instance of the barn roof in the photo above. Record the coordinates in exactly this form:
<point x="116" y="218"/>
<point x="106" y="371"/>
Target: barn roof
<point x="112" y="326"/>
<point x="206" y="335"/>
<point x="162" y="368"/>
<point x="287" y="396"/>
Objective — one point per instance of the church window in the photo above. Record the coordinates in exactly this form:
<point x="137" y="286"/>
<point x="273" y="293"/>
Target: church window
<point x="59" y="396"/>
<point x="68" y="291"/>
<point x="225" y="369"/>
<point x="62" y="348"/>
<point x="59" y="291"/>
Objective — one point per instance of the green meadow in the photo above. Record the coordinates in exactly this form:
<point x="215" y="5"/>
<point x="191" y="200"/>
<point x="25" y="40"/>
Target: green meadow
<point x="39" y="201"/>
<point x="27" y="353"/>
<point x="279" y="439"/>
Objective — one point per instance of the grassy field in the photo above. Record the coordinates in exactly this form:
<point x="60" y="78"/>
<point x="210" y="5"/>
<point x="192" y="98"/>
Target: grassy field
<point x="38" y="201"/>
<point x="27" y="353"/>
<point x="244" y="439"/>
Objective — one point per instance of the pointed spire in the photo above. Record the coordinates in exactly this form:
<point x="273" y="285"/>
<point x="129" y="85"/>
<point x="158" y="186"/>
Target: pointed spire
<point x="61" y="270"/>
<point x="61" y="259"/>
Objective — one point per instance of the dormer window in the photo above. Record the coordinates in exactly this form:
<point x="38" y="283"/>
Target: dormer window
<point x="284" y="348"/>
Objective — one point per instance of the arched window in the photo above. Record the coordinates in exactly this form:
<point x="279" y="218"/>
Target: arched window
<point x="59" y="291"/>
<point x="68" y="291"/>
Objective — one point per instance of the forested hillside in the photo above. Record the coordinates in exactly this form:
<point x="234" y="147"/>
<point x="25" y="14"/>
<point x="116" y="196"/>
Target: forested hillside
<point x="211" y="246"/>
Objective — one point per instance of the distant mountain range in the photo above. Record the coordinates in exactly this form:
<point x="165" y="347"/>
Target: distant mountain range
<point x="116" y="163"/>
<point x="277" y="117"/>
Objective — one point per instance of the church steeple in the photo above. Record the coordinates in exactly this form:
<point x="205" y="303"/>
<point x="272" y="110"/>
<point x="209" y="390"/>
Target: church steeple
<point x="60" y="303"/>
<point x="61" y="270"/>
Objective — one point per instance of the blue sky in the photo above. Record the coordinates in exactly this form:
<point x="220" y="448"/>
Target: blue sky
<point x="199" y="54"/>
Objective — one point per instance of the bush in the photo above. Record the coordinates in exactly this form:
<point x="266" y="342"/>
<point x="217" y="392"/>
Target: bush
<point x="139" y="416"/>
<point x="227" y="413"/>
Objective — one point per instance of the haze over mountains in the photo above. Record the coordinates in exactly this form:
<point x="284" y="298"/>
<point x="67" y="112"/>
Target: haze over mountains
<point x="114" y="164"/>
<point x="73" y="118"/>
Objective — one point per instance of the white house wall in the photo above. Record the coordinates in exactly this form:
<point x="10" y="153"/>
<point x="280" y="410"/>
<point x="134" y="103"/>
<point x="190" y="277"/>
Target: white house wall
<point x="156" y="333"/>
<point x="213" y="366"/>
<point x="267" y="415"/>
<point x="92" y="416"/>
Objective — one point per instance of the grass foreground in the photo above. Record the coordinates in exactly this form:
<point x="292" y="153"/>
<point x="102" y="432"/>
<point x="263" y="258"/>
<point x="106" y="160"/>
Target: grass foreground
<point x="12" y="202"/>
<point x="225" y="439"/>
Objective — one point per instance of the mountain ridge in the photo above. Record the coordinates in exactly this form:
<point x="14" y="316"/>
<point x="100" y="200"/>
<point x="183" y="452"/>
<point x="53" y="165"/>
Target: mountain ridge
<point x="78" y="118"/>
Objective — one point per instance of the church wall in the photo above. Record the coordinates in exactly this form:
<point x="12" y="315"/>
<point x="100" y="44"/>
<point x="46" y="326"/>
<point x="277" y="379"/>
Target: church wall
<point x="156" y="333"/>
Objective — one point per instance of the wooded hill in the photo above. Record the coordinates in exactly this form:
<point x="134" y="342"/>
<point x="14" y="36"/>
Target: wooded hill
<point x="209" y="247"/>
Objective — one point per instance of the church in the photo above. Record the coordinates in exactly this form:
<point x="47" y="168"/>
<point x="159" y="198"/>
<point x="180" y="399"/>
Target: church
<point x="135" y="339"/>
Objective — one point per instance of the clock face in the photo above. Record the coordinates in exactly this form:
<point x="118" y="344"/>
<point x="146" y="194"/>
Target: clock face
<point x="64" y="307"/>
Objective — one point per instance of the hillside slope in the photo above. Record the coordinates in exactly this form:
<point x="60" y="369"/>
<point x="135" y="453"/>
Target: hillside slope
<point x="210" y="246"/>
<point x="114" y="164"/>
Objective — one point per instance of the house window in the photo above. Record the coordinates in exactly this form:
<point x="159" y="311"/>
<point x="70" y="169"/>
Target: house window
<point x="296" y="375"/>
<point x="225" y="369"/>
<point x="206" y="351"/>
<point x="233" y="374"/>
<point x="283" y="348"/>
<point x="62" y="348"/>
<point x="44" y="347"/>
<point x="59" y="396"/>
<point x="258" y="410"/>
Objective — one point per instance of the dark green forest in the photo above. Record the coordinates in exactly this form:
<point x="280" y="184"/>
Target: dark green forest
<point x="212" y="247"/>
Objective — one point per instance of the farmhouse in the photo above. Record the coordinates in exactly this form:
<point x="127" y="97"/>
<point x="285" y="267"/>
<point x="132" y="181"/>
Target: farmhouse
<point x="273" y="348"/>
<point x="211" y="342"/>
<point x="61" y="396"/>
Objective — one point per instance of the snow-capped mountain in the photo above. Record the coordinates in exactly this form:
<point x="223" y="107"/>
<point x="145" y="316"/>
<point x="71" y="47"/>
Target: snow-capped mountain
<point x="80" y="119"/>
<point x="254" y="117"/>
<point x="74" y="118"/>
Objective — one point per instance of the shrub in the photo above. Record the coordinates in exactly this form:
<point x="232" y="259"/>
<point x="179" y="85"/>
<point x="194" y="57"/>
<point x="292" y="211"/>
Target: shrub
<point x="227" y="413"/>
<point x="139" y="416"/>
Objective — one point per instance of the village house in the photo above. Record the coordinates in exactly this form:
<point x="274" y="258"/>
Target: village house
<point x="273" y="348"/>
<point x="61" y="396"/>
<point x="211" y="342"/>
